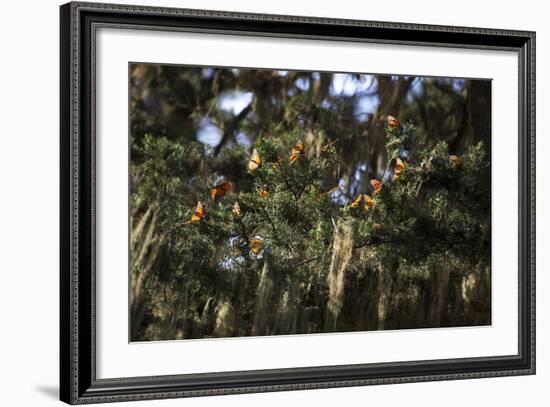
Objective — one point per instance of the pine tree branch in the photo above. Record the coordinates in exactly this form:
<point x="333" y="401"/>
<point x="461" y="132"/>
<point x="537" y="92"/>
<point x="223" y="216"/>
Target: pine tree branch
<point x="275" y="233"/>
<point x="307" y="261"/>
<point x="229" y="133"/>
<point x="383" y="182"/>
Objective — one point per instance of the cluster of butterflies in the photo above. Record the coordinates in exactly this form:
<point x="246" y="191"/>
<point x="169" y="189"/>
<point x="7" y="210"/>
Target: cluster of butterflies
<point x="366" y="201"/>
<point x="219" y="190"/>
<point x="222" y="188"/>
<point x="256" y="243"/>
<point x="255" y="161"/>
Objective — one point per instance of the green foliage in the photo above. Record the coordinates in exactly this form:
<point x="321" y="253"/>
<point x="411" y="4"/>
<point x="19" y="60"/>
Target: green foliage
<point x="434" y="213"/>
<point x="281" y="264"/>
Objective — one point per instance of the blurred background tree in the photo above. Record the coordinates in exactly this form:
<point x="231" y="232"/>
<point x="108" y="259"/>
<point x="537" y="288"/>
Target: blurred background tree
<point x="284" y="245"/>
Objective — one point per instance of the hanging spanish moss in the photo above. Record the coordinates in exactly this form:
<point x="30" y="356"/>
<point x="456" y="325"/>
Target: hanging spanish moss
<point x="224" y="320"/>
<point x="286" y="320"/>
<point x="262" y="306"/>
<point x="341" y="254"/>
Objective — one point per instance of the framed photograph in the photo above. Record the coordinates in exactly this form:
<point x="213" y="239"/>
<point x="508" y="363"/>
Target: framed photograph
<point x="255" y="203"/>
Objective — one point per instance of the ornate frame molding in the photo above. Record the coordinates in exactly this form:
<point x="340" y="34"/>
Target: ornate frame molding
<point x="77" y="211"/>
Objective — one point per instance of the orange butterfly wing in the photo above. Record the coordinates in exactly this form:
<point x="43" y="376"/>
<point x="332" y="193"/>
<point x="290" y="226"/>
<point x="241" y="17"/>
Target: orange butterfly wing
<point x="256" y="245"/>
<point x="226" y="186"/>
<point x="296" y="152"/>
<point x="356" y="202"/>
<point x="369" y="202"/>
<point x="377" y="185"/>
<point x="221" y="189"/>
<point x="393" y="122"/>
<point x="199" y="213"/>
<point x="399" y="167"/>
<point x="255" y="161"/>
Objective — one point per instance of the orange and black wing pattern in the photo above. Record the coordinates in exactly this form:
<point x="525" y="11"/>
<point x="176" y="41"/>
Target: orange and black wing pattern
<point x="296" y="152"/>
<point x="198" y="214"/>
<point x="356" y="202"/>
<point x="256" y="245"/>
<point x="369" y="202"/>
<point x="398" y="169"/>
<point x="255" y="161"/>
<point x="221" y="189"/>
<point x="393" y="122"/>
<point x="376" y="185"/>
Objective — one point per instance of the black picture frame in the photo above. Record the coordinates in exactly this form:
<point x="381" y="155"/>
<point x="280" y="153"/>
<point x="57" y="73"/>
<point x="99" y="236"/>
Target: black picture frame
<point x="78" y="382"/>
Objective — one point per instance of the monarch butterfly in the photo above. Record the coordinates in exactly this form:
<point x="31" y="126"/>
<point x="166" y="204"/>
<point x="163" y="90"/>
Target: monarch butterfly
<point x="296" y="152"/>
<point x="399" y="167"/>
<point x="455" y="161"/>
<point x="256" y="245"/>
<point x="377" y="185"/>
<point x="393" y="122"/>
<point x="368" y="202"/>
<point x="198" y="214"/>
<point x="264" y="193"/>
<point x="255" y="161"/>
<point x="221" y="189"/>
<point x="356" y="202"/>
<point x="236" y="209"/>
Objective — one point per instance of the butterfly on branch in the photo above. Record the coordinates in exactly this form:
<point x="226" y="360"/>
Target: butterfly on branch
<point x="221" y="189"/>
<point x="399" y="167"/>
<point x="255" y="161"/>
<point x="296" y="152"/>
<point x="198" y="214"/>
<point x="376" y="185"/>
<point x="256" y="245"/>
<point x="393" y="122"/>
<point x="364" y="199"/>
